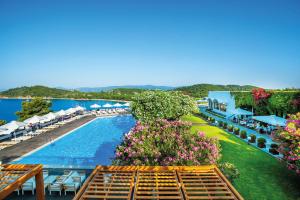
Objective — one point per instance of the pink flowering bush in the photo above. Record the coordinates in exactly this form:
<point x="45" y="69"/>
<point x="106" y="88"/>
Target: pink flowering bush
<point x="290" y="142"/>
<point x="166" y="143"/>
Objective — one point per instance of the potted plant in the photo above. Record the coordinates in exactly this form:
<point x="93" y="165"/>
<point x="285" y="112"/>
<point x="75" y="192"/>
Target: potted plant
<point x="252" y="138"/>
<point x="230" y="128"/>
<point x="220" y="124"/>
<point x="236" y="130"/>
<point x="225" y="125"/>
<point x="274" y="149"/>
<point x="261" y="142"/>
<point x="243" y="134"/>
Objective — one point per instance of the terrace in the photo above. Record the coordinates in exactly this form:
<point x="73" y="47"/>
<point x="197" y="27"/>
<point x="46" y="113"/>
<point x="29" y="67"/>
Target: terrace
<point x="138" y="182"/>
<point x="167" y="182"/>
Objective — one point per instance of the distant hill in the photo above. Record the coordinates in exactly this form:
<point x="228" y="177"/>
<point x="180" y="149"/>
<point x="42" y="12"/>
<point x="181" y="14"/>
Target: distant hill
<point x="201" y="90"/>
<point x="116" y="92"/>
<point x="37" y="91"/>
<point x="109" y="88"/>
<point x="42" y="91"/>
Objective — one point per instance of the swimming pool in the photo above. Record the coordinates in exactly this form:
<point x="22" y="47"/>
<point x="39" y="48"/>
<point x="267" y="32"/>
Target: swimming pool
<point x="90" y="145"/>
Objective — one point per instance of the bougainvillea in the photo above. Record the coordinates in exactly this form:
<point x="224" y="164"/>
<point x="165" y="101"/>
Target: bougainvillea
<point x="260" y="95"/>
<point x="290" y="142"/>
<point x="166" y="143"/>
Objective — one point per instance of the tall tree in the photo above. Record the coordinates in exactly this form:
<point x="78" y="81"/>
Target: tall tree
<point x="37" y="106"/>
<point x="151" y="105"/>
<point x="2" y="122"/>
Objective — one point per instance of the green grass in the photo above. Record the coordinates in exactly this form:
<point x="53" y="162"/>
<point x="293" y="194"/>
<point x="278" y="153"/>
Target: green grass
<point x="262" y="177"/>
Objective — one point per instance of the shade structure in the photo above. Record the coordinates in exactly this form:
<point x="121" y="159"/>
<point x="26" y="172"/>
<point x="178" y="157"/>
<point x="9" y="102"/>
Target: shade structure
<point x="60" y="113"/>
<point x="157" y="182"/>
<point x="33" y="120"/>
<point x="70" y="111"/>
<point x="271" y="119"/>
<point x="79" y="108"/>
<point x="126" y="104"/>
<point x="49" y="117"/>
<point x="240" y="111"/>
<point x="13" y="125"/>
<point x="12" y="176"/>
<point x="107" y="105"/>
<point x="95" y="106"/>
<point x="117" y="105"/>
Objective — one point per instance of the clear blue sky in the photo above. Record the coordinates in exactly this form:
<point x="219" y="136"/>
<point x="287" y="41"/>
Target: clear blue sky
<point x="100" y="43"/>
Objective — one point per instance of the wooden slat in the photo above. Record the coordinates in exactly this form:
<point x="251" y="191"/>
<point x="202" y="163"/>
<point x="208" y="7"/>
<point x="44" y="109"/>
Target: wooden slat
<point x="12" y="176"/>
<point x="157" y="182"/>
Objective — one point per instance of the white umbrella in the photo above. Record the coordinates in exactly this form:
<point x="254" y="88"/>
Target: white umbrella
<point x="33" y="120"/>
<point x="107" y="105"/>
<point x="127" y="104"/>
<point x="118" y="105"/>
<point x="95" y="106"/>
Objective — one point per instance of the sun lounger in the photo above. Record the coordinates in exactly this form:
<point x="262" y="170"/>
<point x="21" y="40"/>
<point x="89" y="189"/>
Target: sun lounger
<point x="73" y="182"/>
<point x="30" y="185"/>
<point x="49" y="180"/>
<point x="57" y="185"/>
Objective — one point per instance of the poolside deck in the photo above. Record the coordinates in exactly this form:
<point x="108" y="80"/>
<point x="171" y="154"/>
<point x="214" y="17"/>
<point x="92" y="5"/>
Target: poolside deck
<point x="10" y="153"/>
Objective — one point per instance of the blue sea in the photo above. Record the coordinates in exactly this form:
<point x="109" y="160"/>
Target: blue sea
<point x="8" y="107"/>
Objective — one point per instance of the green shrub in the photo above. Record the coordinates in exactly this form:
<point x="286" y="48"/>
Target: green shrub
<point x="252" y="138"/>
<point x="243" y="134"/>
<point x="261" y="142"/>
<point x="220" y="123"/>
<point x="230" y="128"/>
<point x="273" y="151"/>
<point x="229" y="170"/>
<point x="274" y="146"/>
<point x="225" y="125"/>
<point x="236" y="130"/>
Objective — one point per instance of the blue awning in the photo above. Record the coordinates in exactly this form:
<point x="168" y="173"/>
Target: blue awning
<point x="271" y="119"/>
<point x="240" y="111"/>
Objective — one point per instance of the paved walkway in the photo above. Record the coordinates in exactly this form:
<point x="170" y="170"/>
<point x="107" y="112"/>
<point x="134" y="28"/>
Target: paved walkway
<point x="10" y="153"/>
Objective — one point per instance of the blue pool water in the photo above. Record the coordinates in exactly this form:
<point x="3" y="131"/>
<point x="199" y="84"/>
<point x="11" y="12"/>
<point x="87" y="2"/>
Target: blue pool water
<point x="90" y="145"/>
<point x="8" y="107"/>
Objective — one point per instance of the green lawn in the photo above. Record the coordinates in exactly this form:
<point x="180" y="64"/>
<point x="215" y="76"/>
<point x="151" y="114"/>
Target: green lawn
<point x="261" y="176"/>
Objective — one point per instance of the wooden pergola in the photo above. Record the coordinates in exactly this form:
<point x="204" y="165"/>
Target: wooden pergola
<point x="157" y="182"/>
<point x="12" y="176"/>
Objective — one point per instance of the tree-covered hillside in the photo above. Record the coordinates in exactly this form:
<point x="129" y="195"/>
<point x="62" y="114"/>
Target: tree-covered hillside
<point x="42" y="91"/>
<point x="201" y="90"/>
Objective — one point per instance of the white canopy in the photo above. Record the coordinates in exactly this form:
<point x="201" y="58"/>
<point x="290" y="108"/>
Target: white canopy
<point x="95" y="106"/>
<point x="79" y="108"/>
<point x="127" y="104"/>
<point x="107" y="105"/>
<point x="5" y="132"/>
<point x="118" y="105"/>
<point x="12" y="126"/>
<point x="33" y="120"/>
<point x="271" y="119"/>
<point x="49" y="117"/>
<point x="71" y="111"/>
<point x="60" y="113"/>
